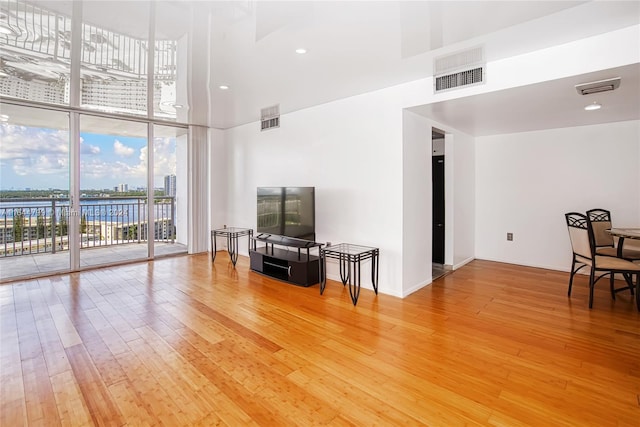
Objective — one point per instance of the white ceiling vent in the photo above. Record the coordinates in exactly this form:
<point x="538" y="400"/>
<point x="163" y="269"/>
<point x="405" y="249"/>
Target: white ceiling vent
<point x="270" y="117"/>
<point x="460" y="69"/>
<point x="599" y="86"/>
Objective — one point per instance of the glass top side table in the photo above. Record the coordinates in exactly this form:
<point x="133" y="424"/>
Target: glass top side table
<point x="350" y="256"/>
<point x="232" y="234"/>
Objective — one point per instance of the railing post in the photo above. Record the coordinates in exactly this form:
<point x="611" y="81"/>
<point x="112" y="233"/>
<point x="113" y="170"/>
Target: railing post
<point x="139" y="227"/>
<point x="53" y="226"/>
<point x="172" y="224"/>
<point x="4" y="231"/>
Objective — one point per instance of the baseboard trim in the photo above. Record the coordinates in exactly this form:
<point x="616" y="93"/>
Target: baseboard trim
<point x="416" y="287"/>
<point x="546" y="267"/>
<point x="463" y="263"/>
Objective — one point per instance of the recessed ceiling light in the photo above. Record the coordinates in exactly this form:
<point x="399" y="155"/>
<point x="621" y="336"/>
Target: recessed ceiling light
<point x="4" y="118"/>
<point x="592" y="107"/>
<point x="223" y="87"/>
<point x="301" y="51"/>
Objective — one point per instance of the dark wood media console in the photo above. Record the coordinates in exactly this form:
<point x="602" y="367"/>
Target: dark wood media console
<point x="285" y="258"/>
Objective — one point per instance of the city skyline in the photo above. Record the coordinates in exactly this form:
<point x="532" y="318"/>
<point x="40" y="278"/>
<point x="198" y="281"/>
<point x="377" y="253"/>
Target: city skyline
<point x="38" y="159"/>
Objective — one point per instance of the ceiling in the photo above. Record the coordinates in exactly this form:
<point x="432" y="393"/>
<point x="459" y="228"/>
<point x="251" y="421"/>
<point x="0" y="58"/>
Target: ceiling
<point x="355" y="47"/>
<point x="547" y="105"/>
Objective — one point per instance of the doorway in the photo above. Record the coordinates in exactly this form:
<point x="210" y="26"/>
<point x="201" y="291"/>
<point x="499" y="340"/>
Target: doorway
<point x="438" y="202"/>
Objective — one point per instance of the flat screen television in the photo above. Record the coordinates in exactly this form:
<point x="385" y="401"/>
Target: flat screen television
<point x="287" y="211"/>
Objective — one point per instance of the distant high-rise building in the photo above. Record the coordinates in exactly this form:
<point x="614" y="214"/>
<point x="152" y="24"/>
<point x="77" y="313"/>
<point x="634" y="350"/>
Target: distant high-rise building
<point x="122" y="188"/>
<point x="170" y="185"/>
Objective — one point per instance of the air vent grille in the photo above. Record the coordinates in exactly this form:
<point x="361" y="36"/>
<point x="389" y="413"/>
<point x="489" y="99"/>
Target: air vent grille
<point x="460" y="69"/>
<point x="599" y="86"/>
<point x="463" y="78"/>
<point x="270" y="117"/>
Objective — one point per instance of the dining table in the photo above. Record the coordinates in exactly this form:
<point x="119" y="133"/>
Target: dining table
<point x="624" y="233"/>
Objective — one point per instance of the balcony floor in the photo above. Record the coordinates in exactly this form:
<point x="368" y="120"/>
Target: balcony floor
<point x="26" y="266"/>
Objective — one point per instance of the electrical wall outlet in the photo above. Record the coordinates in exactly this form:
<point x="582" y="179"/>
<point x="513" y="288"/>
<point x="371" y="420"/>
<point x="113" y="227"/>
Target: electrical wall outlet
<point x="510" y="237"/>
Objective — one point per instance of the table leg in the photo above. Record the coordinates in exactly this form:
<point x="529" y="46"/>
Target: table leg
<point x="354" y="288"/>
<point x="232" y="248"/>
<point x="620" y="243"/>
<point x="627" y="277"/>
<point x="638" y="291"/>
<point x="344" y="264"/>
<point x="323" y="272"/>
<point x="213" y="244"/>
<point x="374" y="271"/>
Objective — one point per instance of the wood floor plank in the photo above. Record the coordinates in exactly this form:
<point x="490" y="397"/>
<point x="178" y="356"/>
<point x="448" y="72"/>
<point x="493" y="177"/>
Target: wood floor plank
<point x="95" y="395"/>
<point x="129" y="404"/>
<point x="39" y="397"/>
<point x="156" y="401"/>
<point x="182" y="342"/>
<point x="71" y="405"/>
<point x="12" y="394"/>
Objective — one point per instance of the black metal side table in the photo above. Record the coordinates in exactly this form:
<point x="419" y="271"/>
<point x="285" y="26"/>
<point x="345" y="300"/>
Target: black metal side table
<point x="349" y="254"/>
<point x="232" y="234"/>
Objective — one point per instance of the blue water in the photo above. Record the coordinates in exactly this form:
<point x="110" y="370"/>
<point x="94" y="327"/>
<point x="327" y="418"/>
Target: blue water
<point x="93" y="210"/>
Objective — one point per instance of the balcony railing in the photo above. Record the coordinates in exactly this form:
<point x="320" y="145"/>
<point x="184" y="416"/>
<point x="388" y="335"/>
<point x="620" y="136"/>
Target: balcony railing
<point x="31" y="226"/>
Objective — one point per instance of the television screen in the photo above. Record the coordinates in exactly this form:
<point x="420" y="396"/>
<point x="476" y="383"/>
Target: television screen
<point x="287" y="211"/>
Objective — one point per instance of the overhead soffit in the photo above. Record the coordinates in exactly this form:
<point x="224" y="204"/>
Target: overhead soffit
<point x="547" y="105"/>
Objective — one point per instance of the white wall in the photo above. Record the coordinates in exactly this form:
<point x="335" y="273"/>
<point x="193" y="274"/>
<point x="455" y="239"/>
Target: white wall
<point x="219" y="185"/>
<point x="351" y="151"/>
<point x="526" y="182"/>
<point x="462" y="149"/>
<point x="417" y="199"/>
<point x="366" y="158"/>
<point x="371" y="165"/>
<point x="417" y="193"/>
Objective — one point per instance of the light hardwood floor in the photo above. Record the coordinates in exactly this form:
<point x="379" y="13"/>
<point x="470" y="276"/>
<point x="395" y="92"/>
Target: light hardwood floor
<point x="181" y="342"/>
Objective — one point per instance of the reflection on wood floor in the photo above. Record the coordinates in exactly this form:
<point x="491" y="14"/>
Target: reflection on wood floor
<point x="40" y="264"/>
<point x="178" y="342"/>
<point x="438" y="270"/>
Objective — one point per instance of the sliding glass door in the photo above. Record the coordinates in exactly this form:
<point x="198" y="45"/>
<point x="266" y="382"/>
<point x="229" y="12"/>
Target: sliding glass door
<point x="170" y="178"/>
<point x="114" y="208"/>
<point x="93" y="125"/>
<point x="34" y="192"/>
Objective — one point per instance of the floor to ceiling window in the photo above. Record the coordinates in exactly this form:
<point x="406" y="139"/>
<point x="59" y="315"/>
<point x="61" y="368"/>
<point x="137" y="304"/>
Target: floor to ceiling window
<point x="113" y="190"/>
<point x="34" y="198"/>
<point x="100" y="150"/>
<point x="170" y="176"/>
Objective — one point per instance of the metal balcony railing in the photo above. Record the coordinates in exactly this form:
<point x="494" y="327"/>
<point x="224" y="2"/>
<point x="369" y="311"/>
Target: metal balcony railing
<point x="31" y="226"/>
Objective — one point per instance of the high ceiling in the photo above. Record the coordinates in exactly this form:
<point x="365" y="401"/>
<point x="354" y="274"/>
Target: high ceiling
<point x="352" y="47"/>
<point x="356" y="47"/>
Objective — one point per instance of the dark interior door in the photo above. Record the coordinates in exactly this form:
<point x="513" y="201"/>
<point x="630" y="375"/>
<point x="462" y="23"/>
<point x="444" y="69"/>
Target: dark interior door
<point x="438" y="208"/>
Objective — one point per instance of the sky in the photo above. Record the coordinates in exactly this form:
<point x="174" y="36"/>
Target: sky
<point x="38" y="159"/>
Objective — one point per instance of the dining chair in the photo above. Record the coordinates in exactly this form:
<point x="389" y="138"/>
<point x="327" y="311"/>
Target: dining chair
<point x="582" y="238"/>
<point x="604" y="242"/>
